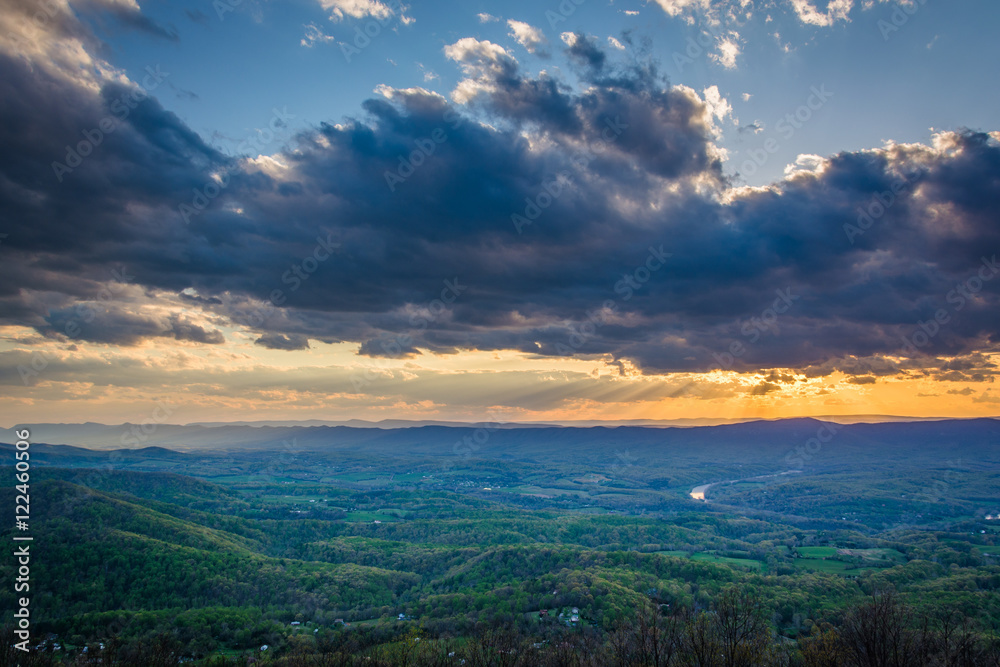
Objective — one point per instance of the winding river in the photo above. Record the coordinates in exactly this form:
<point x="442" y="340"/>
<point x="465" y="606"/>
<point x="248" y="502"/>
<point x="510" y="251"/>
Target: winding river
<point x="698" y="492"/>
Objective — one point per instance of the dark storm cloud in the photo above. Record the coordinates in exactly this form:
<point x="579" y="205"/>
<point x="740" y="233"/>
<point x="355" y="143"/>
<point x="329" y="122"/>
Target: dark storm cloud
<point x="116" y="326"/>
<point x="586" y="51"/>
<point x="194" y="298"/>
<point x="362" y="226"/>
<point x="764" y="388"/>
<point x="283" y="342"/>
<point x="389" y="348"/>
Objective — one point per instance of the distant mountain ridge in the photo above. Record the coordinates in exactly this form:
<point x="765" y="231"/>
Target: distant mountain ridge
<point x="749" y="439"/>
<point x="84" y="433"/>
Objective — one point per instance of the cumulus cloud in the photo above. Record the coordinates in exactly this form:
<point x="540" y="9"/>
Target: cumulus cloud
<point x="727" y="50"/>
<point x="683" y="7"/>
<point x="362" y="9"/>
<point x="836" y="10"/>
<point x="637" y="183"/>
<point x="584" y="50"/>
<point x="718" y="106"/>
<point x="528" y="36"/>
<point x="482" y="62"/>
<point x="276" y="341"/>
<point x="805" y="163"/>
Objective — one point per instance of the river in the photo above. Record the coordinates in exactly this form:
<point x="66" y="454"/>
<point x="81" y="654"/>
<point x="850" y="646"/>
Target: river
<point x="698" y="492"/>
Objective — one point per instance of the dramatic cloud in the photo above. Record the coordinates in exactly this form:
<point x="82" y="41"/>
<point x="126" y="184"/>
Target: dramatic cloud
<point x="584" y="50"/>
<point x="523" y="212"/>
<point x="117" y="326"/>
<point x="283" y="342"/>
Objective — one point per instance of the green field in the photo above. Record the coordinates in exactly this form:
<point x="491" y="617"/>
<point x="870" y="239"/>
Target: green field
<point x="822" y="565"/>
<point x="817" y="552"/>
<point x="738" y="562"/>
<point x="836" y="560"/>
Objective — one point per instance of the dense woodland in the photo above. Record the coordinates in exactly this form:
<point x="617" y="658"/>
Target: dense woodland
<point x="143" y="567"/>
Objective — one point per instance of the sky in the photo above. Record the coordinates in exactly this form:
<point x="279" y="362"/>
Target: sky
<point x="519" y="211"/>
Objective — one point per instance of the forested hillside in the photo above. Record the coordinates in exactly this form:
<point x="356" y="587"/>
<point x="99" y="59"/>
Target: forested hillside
<point x="160" y="567"/>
